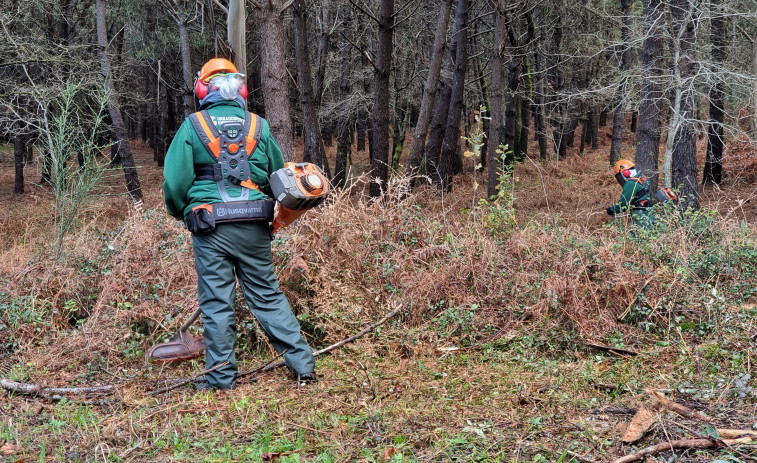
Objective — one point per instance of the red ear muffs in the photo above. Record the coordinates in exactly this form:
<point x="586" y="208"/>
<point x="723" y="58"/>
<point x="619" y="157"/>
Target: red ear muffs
<point x="626" y="173"/>
<point x="201" y="89"/>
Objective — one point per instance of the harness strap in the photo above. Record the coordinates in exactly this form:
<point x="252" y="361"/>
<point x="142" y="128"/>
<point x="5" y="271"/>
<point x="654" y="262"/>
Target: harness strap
<point x="212" y="139"/>
<point x="207" y="131"/>
<point x="208" y="172"/>
<point x="213" y="172"/>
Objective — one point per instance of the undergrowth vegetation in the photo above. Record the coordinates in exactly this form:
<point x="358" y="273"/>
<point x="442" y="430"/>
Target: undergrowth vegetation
<point x="490" y="359"/>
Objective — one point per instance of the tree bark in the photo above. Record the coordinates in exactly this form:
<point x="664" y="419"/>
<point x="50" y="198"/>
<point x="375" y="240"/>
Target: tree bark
<point x="344" y="138"/>
<point x="540" y="128"/>
<point x="592" y="135"/>
<point x="620" y="99"/>
<point x="187" y="90"/>
<point x="713" y="167"/>
<point x="321" y="54"/>
<point x="274" y="76"/>
<point x="450" y="146"/>
<point x="525" y="107"/>
<point x="494" y="160"/>
<point x="622" y="92"/>
<point x="19" y="158"/>
<point x="161" y="106"/>
<point x="433" y="148"/>
<point x="117" y="128"/>
<point x="380" y="116"/>
<point x="648" y="135"/>
<point x="430" y="90"/>
<point x="684" y="156"/>
<point x="314" y="150"/>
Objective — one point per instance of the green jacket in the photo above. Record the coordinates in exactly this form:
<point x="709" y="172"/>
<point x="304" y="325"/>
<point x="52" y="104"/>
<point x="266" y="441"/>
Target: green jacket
<point x="633" y="193"/>
<point x="180" y="190"/>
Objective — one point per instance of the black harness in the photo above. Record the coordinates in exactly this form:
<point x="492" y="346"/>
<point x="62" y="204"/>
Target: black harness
<point x="231" y="148"/>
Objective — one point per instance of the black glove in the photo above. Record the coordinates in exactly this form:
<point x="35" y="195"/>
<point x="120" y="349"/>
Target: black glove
<point x="610" y="212"/>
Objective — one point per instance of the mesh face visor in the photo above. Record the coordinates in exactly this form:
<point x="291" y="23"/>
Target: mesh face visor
<point x="620" y="178"/>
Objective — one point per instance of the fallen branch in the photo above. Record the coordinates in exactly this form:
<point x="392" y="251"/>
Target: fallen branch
<point x="497" y="335"/>
<point x="614" y="350"/>
<point x="681" y="444"/>
<point x="682" y="410"/>
<point x="359" y="334"/>
<point x="262" y="367"/>
<point x="53" y="392"/>
<point x="616" y="410"/>
<point x="187" y="380"/>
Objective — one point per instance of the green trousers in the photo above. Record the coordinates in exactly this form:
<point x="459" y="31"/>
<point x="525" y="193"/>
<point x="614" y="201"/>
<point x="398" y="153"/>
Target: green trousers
<point x="242" y="250"/>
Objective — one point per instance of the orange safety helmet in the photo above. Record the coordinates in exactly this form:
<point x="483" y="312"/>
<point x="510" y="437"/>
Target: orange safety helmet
<point x="623" y="170"/>
<point x="211" y="68"/>
<point x="624" y="164"/>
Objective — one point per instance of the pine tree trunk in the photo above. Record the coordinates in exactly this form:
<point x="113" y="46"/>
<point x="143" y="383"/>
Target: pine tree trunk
<point x="19" y="159"/>
<point x="452" y="129"/>
<point x="321" y="54"/>
<point x="540" y="127"/>
<point x="187" y="91"/>
<point x="274" y="76"/>
<point x="648" y="135"/>
<point x="621" y="95"/>
<point x="484" y="101"/>
<point x="435" y="139"/>
<point x="593" y="127"/>
<point x="360" y="128"/>
<point x="161" y="107"/>
<point x="344" y="132"/>
<point x="314" y="150"/>
<point x="684" y="156"/>
<point x="511" y="112"/>
<point x="494" y="161"/>
<point x="117" y="127"/>
<point x="713" y="167"/>
<point x="430" y="90"/>
<point x="525" y="107"/>
<point x="380" y="115"/>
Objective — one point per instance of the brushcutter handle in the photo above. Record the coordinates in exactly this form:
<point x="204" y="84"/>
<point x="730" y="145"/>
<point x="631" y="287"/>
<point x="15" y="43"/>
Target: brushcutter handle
<point x="192" y="318"/>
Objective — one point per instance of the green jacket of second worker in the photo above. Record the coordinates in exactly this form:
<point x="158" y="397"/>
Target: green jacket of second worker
<point x="182" y="192"/>
<point x="633" y="194"/>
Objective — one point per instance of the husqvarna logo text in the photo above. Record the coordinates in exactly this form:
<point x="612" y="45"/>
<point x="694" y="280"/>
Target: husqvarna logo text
<point x="241" y="211"/>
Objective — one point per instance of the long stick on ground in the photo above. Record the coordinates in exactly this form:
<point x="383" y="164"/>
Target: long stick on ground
<point x="52" y="392"/>
<point x="681" y="444"/>
<point x="187" y="380"/>
<point x="363" y="332"/>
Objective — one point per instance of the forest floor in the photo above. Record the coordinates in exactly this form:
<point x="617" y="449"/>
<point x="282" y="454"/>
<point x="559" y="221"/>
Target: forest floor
<point x="532" y="328"/>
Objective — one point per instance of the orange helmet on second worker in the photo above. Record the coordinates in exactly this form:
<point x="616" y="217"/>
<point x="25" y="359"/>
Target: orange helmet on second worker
<point x="624" y="164"/>
<point x="624" y="169"/>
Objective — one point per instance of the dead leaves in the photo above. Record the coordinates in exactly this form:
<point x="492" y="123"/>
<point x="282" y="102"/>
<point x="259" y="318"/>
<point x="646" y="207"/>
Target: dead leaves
<point x="641" y="422"/>
<point x="9" y="448"/>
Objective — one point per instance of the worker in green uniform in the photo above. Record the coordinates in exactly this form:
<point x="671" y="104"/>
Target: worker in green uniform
<point x="216" y="180"/>
<point x="635" y="196"/>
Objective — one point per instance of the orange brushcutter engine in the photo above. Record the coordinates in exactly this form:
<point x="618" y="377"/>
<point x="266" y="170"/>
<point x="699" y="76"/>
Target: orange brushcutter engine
<point x="297" y="187"/>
